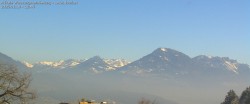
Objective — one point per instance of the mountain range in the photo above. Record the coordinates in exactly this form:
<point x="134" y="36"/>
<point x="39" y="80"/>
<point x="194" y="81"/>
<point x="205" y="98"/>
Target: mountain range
<point x="164" y="72"/>
<point x="172" y="62"/>
<point x="162" y="61"/>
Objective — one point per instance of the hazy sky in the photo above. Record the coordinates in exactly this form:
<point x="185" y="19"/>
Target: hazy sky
<point x="127" y="29"/>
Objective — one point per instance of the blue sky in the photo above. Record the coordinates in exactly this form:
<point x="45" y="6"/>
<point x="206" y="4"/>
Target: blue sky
<point x="127" y="29"/>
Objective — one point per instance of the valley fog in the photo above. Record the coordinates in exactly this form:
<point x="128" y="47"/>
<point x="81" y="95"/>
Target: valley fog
<point x="56" y="87"/>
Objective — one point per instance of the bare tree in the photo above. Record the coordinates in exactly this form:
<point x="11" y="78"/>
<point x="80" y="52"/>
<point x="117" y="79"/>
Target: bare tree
<point x="14" y="86"/>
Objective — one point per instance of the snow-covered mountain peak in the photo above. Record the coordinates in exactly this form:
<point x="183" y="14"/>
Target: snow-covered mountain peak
<point x="167" y="51"/>
<point x="163" y="49"/>
<point x="217" y="63"/>
<point x="210" y="57"/>
<point x="50" y="63"/>
<point x="62" y="64"/>
<point x="72" y="62"/>
<point x="162" y="60"/>
<point x="116" y="63"/>
<point x="167" y="54"/>
<point x="29" y="65"/>
<point x="95" y="58"/>
<point x="203" y="57"/>
<point x="231" y="66"/>
<point x="96" y="64"/>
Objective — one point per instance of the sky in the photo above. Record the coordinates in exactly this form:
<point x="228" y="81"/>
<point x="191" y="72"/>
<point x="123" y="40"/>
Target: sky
<point x="128" y="29"/>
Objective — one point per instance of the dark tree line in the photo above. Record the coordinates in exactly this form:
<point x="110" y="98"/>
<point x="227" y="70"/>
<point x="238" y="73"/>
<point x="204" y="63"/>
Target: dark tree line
<point x="232" y="98"/>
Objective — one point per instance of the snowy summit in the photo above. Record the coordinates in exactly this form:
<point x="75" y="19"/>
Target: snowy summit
<point x="163" y="49"/>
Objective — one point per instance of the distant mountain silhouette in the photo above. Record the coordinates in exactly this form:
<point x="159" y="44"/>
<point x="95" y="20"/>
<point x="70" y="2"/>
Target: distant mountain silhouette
<point x="6" y="60"/>
<point x="172" y="63"/>
<point x="95" y="64"/>
<point x="161" y="62"/>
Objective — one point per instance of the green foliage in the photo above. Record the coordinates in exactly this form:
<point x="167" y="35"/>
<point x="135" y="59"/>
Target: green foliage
<point x="231" y="98"/>
<point x="245" y="96"/>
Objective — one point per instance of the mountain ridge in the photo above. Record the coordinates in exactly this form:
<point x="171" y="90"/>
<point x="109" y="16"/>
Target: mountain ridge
<point x="172" y="63"/>
<point x="160" y="61"/>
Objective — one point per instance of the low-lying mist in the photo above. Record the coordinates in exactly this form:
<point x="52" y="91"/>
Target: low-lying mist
<point x="59" y="86"/>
